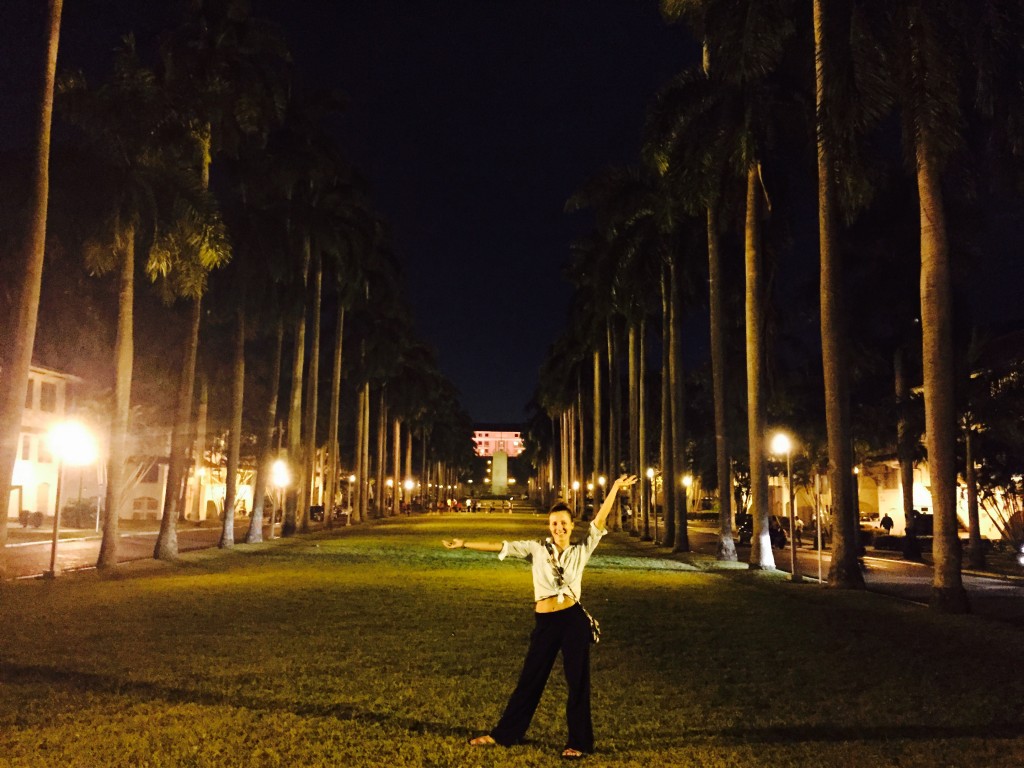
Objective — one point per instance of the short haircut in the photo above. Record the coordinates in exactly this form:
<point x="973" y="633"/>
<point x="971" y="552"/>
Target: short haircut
<point x="561" y="506"/>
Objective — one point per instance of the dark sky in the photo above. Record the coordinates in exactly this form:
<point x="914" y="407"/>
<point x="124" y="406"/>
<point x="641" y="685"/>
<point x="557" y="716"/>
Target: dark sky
<point x="474" y="121"/>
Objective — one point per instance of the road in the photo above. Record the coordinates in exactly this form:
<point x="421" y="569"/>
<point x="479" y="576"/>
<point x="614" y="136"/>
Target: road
<point x="30" y="559"/>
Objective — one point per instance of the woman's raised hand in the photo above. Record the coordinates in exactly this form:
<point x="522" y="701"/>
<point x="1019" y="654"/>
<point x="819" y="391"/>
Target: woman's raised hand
<point x="625" y="481"/>
<point x="453" y="543"/>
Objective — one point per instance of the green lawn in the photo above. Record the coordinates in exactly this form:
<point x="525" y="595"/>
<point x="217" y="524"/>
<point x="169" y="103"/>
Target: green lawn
<point x="375" y="646"/>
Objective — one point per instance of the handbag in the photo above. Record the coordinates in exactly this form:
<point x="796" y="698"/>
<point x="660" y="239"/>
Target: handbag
<point x="595" y="626"/>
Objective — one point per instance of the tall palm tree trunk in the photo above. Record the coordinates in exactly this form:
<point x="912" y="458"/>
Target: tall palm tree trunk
<point x="259" y="493"/>
<point x="365" y="450"/>
<point x="227" y="536"/>
<point x="382" y="452"/>
<point x="668" y="535"/>
<point x="673" y="493"/>
<point x="166" y="547"/>
<point x="596" y="452"/>
<point x="641" y="421"/>
<point x="948" y="593"/>
<point x="634" y="415"/>
<point x="975" y="550"/>
<point x="761" y="556"/>
<point x="312" y="394"/>
<point x="396" y="489"/>
<point x="124" y="355"/>
<point x="335" y="412"/>
<point x="19" y="335"/>
<point x="844" y="571"/>
<point x="359" y="492"/>
<point x="726" y="550"/>
<point x="293" y="499"/>
<point x="199" y="444"/>
<point x="614" y="419"/>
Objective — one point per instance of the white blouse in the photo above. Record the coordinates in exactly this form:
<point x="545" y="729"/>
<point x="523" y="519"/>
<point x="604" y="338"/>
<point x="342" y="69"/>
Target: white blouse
<point x="571" y="561"/>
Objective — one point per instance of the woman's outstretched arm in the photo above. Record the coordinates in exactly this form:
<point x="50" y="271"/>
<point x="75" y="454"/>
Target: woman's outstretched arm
<point x="479" y="546"/>
<point x="621" y="483"/>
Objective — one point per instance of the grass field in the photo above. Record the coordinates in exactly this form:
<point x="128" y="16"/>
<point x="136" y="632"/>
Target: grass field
<point x="375" y="646"/>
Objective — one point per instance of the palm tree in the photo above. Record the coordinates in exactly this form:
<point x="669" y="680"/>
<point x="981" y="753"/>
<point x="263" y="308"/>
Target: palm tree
<point x="150" y="197"/>
<point x="227" y="69"/>
<point x="20" y="335"/>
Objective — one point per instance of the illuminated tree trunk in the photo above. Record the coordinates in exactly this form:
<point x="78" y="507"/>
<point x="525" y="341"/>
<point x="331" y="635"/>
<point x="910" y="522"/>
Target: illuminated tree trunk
<point x="948" y="593"/>
<point x="596" y="452"/>
<point x="666" y="536"/>
<point x="396" y="449"/>
<point x="19" y="335"/>
<point x="726" y="545"/>
<point x="359" y="491"/>
<point x="674" y="494"/>
<point x="290" y="523"/>
<point x="266" y="449"/>
<point x="332" y="419"/>
<point x="123" y="362"/>
<point x="308" y="489"/>
<point x="227" y="536"/>
<point x="634" y="416"/>
<point x="975" y="551"/>
<point x="761" y="556"/>
<point x="844" y="571"/>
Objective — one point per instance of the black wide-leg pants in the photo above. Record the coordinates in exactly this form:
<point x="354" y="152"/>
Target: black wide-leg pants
<point x="567" y="631"/>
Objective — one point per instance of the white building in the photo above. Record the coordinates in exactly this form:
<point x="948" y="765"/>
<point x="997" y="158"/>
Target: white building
<point x="48" y="398"/>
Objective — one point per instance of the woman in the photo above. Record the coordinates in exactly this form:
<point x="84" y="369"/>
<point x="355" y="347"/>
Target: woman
<point x="560" y="624"/>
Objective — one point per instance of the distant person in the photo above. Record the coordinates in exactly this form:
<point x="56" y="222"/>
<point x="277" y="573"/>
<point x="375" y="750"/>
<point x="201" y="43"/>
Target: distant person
<point x="560" y="624"/>
<point x="798" y="531"/>
<point x="886" y="524"/>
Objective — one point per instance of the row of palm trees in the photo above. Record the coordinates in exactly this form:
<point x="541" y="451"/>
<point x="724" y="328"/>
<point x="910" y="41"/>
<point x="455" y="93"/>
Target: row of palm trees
<point x="216" y="177"/>
<point x="727" y="154"/>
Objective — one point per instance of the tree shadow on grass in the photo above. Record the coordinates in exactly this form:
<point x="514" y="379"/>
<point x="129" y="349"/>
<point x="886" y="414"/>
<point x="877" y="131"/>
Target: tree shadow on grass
<point x="91" y="682"/>
<point x="96" y="683"/>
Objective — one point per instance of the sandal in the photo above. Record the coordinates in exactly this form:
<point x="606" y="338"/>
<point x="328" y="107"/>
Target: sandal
<point x="482" y="741"/>
<point x="572" y="754"/>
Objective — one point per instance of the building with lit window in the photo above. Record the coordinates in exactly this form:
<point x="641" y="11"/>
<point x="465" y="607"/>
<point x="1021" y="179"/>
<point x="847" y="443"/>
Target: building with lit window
<point x="48" y="397"/>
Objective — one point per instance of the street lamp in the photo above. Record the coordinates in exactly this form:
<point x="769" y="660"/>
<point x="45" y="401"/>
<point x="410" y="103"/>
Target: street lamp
<point x="73" y="445"/>
<point x="575" y="498"/>
<point x="348" y="506"/>
<point x="601" y="480"/>
<point x="782" y="444"/>
<point x="280" y="477"/>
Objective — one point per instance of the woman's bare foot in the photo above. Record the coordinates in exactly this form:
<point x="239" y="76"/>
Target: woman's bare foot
<point x="483" y="741"/>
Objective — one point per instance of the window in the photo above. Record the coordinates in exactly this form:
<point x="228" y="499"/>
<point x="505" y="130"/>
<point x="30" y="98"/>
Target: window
<point x="152" y="474"/>
<point x="29" y="399"/>
<point x="43" y="451"/>
<point x="26" y="447"/>
<point x="48" y="397"/>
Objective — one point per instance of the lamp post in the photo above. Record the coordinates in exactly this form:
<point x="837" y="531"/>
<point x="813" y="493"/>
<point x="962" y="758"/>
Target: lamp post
<point x="281" y="477"/>
<point x="73" y="445"/>
<point x="782" y="444"/>
<point x="575" y="498"/>
<point x="601" y="480"/>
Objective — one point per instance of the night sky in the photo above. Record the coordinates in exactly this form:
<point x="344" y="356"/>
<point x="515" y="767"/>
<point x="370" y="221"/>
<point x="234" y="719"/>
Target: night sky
<point x="474" y="121"/>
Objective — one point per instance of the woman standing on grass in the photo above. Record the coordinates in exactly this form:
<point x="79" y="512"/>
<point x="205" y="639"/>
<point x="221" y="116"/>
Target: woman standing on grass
<point x="560" y="624"/>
